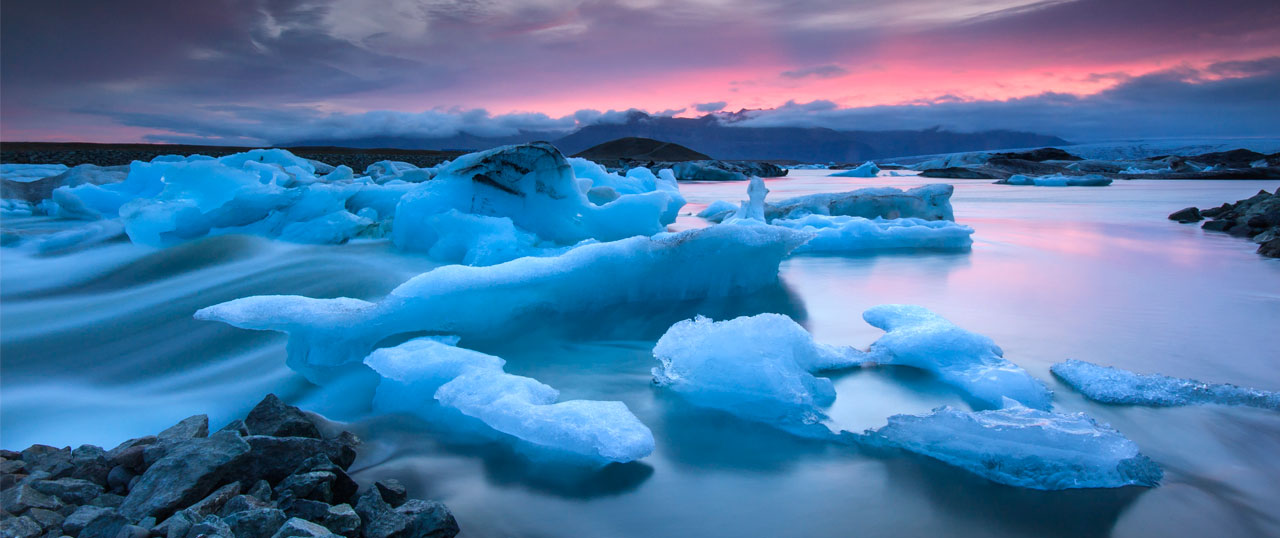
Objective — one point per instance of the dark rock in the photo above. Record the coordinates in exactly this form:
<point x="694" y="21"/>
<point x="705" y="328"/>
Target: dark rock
<point x="8" y="480"/>
<point x="108" y="500"/>
<point x="236" y="426"/>
<point x="634" y="148"/>
<point x="18" y="499"/>
<point x="55" y="461"/>
<point x="240" y="503"/>
<point x="69" y="490"/>
<point x="176" y="526"/>
<point x="429" y="519"/>
<point x="956" y="172"/>
<point x="119" y="477"/>
<point x="19" y="527"/>
<point x="392" y="491"/>
<point x="1270" y="249"/>
<point x="274" y="458"/>
<point x="1184" y="216"/>
<point x="1236" y="158"/>
<point x="414" y="519"/>
<point x="129" y="453"/>
<point x="82" y="516"/>
<point x="273" y="417"/>
<point x="210" y="526"/>
<point x="105" y="525"/>
<point x="303" y="528"/>
<point x="91" y="464"/>
<point x="13" y="466"/>
<point x="315" y="486"/>
<point x="1217" y="225"/>
<point x="340" y="519"/>
<point x="261" y="490"/>
<point x="343" y="487"/>
<point x="255" y="523"/>
<point x="46" y="518"/>
<point x="1040" y="155"/>
<point x="188" y="472"/>
<point x="9" y="454"/>
<point x="214" y="502"/>
<point x="133" y="531"/>
<point x="189" y="428"/>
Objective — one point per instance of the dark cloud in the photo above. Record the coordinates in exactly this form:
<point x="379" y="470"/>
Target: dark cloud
<point x="711" y="107"/>
<point x="820" y="71"/>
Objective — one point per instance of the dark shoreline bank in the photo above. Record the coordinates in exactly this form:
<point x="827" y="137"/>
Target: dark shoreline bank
<point x="77" y="153"/>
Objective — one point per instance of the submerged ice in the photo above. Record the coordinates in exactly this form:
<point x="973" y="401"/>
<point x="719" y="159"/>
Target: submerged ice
<point x="1115" y="386"/>
<point x="1023" y="447"/>
<point x="917" y="337"/>
<point x="421" y="372"/>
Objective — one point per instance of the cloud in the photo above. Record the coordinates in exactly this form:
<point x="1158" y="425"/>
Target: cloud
<point x="820" y="71"/>
<point x="715" y="106"/>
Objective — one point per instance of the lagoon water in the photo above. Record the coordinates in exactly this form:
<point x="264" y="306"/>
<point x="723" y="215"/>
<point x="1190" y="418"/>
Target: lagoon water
<point x="98" y="346"/>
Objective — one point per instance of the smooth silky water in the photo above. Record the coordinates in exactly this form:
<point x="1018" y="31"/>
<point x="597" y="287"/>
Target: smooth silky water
<point x="99" y="345"/>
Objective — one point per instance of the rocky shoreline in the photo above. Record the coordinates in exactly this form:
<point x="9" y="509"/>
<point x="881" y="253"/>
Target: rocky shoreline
<point x="74" y="154"/>
<point x="272" y="474"/>
<point x="1256" y="217"/>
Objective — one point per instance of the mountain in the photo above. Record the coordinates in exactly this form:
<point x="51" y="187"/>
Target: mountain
<point x="722" y="139"/>
<point x="635" y="148"/>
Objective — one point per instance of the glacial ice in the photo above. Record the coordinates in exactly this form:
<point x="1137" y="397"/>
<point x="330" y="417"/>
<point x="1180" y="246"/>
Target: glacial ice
<point x="853" y="234"/>
<point x="1023" y="447"/>
<point x="867" y="169"/>
<point x="917" y="337"/>
<point x="1115" y="386"/>
<point x="483" y="301"/>
<point x="25" y="173"/>
<point x="534" y="187"/>
<point x="1058" y="180"/>
<point x="719" y="208"/>
<point x="637" y="180"/>
<point x="758" y="367"/>
<point x="928" y="202"/>
<point x="425" y="369"/>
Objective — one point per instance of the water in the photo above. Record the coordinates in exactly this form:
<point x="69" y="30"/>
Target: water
<point x="99" y="346"/>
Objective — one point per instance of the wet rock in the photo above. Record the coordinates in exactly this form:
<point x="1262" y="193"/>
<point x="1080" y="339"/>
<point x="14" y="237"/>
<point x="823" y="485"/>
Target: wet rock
<point x="188" y="472"/>
<point x="415" y="518"/>
<point x="214" y="502"/>
<point x="255" y="523"/>
<point x="19" y="527"/>
<point x="1217" y="225"/>
<point x="119" y="478"/>
<point x="1270" y="249"/>
<point x="82" y="516"/>
<point x="108" y="500"/>
<point x="315" y="486"/>
<point x="189" y="428"/>
<point x="241" y="503"/>
<point x="303" y="528"/>
<point x="274" y="458"/>
<point x="104" y="525"/>
<point x="273" y="417"/>
<point x="69" y="490"/>
<point x="392" y="491"/>
<point x="261" y="490"/>
<point x="46" y="518"/>
<point x="133" y="531"/>
<point x="211" y="526"/>
<point x="340" y="519"/>
<point x="236" y="426"/>
<point x="343" y="487"/>
<point x="1184" y="216"/>
<point x="18" y="499"/>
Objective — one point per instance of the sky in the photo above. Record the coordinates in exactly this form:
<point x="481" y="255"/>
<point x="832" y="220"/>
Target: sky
<point x="272" y="71"/>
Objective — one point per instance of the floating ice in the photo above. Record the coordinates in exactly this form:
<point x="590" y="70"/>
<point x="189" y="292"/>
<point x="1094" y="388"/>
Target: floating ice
<point x="483" y="301"/>
<point x="852" y="234"/>
<point x="928" y="202"/>
<point x="421" y="370"/>
<point x="637" y="180"/>
<point x="751" y="211"/>
<point x="867" y="169"/>
<point x="719" y="208"/>
<point x="1058" y="180"/>
<point x="534" y="187"/>
<point x="916" y="337"/>
<point x="25" y="173"/>
<point x="1023" y="447"/>
<point x="1115" y="386"/>
<point x="757" y="367"/>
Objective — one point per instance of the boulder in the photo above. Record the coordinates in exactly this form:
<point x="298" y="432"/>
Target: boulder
<point x="209" y="527"/>
<point x="189" y="471"/>
<point x="300" y="527"/>
<point x="82" y="517"/>
<point x="69" y="490"/>
<point x="1184" y="216"/>
<point x="392" y="491"/>
<point x="255" y="523"/>
<point x="339" y="519"/>
<point x="1270" y="249"/>
<point x="413" y="519"/>
<point x="22" y="497"/>
<point x="105" y="525"/>
<point x="19" y="527"/>
<point x="274" y="458"/>
<point x="213" y="503"/>
<point x="273" y="417"/>
<point x="189" y="428"/>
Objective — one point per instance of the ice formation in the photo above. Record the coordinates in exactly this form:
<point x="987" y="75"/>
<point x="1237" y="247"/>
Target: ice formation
<point x="928" y="202"/>
<point x="1058" y="180"/>
<point x="751" y="210"/>
<point x="916" y="337"/>
<point x="637" y="180"/>
<point x="422" y="371"/>
<point x="719" y="208"/>
<point x="852" y="234"/>
<point x="1115" y="386"/>
<point x="1023" y="447"/>
<point x="759" y="367"/>
<point x="514" y="200"/>
<point x="867" y="169"/>
<point x="25" y="173"/>
<point x="483" y="301"/>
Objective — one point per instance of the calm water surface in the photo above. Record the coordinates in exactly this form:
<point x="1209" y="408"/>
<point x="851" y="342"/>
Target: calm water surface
<point x="98" y="346"/>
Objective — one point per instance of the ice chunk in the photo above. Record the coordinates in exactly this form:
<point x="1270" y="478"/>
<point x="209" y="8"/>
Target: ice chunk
<point x="718" y="210"/>
<point x="483" y="301"/>
<point x="759" y="368"/>
<point x="1023" y="447"/>
<point x="25" y="173"/>
<point x="637" y="180"/>
<point x="852" y="234"/>
<point x="1115" y="386"/>
<point x="1058" y="180"/>
<point x="425" y="369"/>
<point x="928" y="202"/>
<point x="752" y="209"/>
<point x="534" y="187"/>
<point x="916" y="337"/>
<point x="82" y="236"/>
<point x="867" y="169"/>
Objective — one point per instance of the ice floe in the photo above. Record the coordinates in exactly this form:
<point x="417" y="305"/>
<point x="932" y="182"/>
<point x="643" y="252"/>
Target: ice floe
<point x="421" y="372"/>
<point x="928" y="202"/>
<point x="857" y="234"/>
<point x="1115" y="386"/>
<point x="1058" y="180"/>
<point x="867" y="169"/>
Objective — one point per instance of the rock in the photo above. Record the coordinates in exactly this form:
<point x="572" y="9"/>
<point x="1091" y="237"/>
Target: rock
<point x="81" y="517"/>
<point x="105" y="525"/>
<point x="392" y="491"/>
<point x="261" y="490"/>
<point x="14" y="466"/>
<point x="428" y="519"/>
<point x="189" y="428"/>
<point x="255" y="523"/>
<point x="1040" y="155"/>
<point x="188" y="472"/>
<point x="1217" y="225"/>
<point x="956" y="172"/>
<point x="315" y="486"/>
<point x="414" y="519"/>
<point x="7" y="454"/>
<point x="91" y="464"/>
<point x="236" y="426"/>
<point x="18" y="499"/>
<point x="1184" y="216"/>
<point x="209" y="527"/>
<point x="119" y="477"/>
<point x="241" y="503"/>
<point x="344" y="488"/>
<point x="69" y="490"/>
<point x="176" y="526"/>
<point x="133" y="531"/>
<point x="1270" y="249"/>
<point x="55" y="461"/>
<point x="273" y="417"/>
<point x="19" y="527"/>
<point x="46" y="518"/>
<point x="214" y="502"/>
<point x="130" y="453"/>
<point x="717" y="170"/>
<point x="274" y="458"/>
<point x="340" y="519"/>
<point x="299" y="527"/>
<point x="108" y="500"/>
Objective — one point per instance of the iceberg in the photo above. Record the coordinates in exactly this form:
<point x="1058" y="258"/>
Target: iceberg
<point x="26" y="173"/>
<point x="718" y="210"/>
<point x="1023" y="447"/>
<point x="534" y="187"/>
<point x="1115" y="386"/>
<point x="1057" y="180"/>
<point x="855" y="234"/>
<point x="928" y="202"/>
<point x="918" y="338"/>
<point x="867" y="169"/>
<point x="758" y="367"/>
<point x="422" y="371"/>
<point x="637" y="180"/>
<point x="483" y="301"/>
